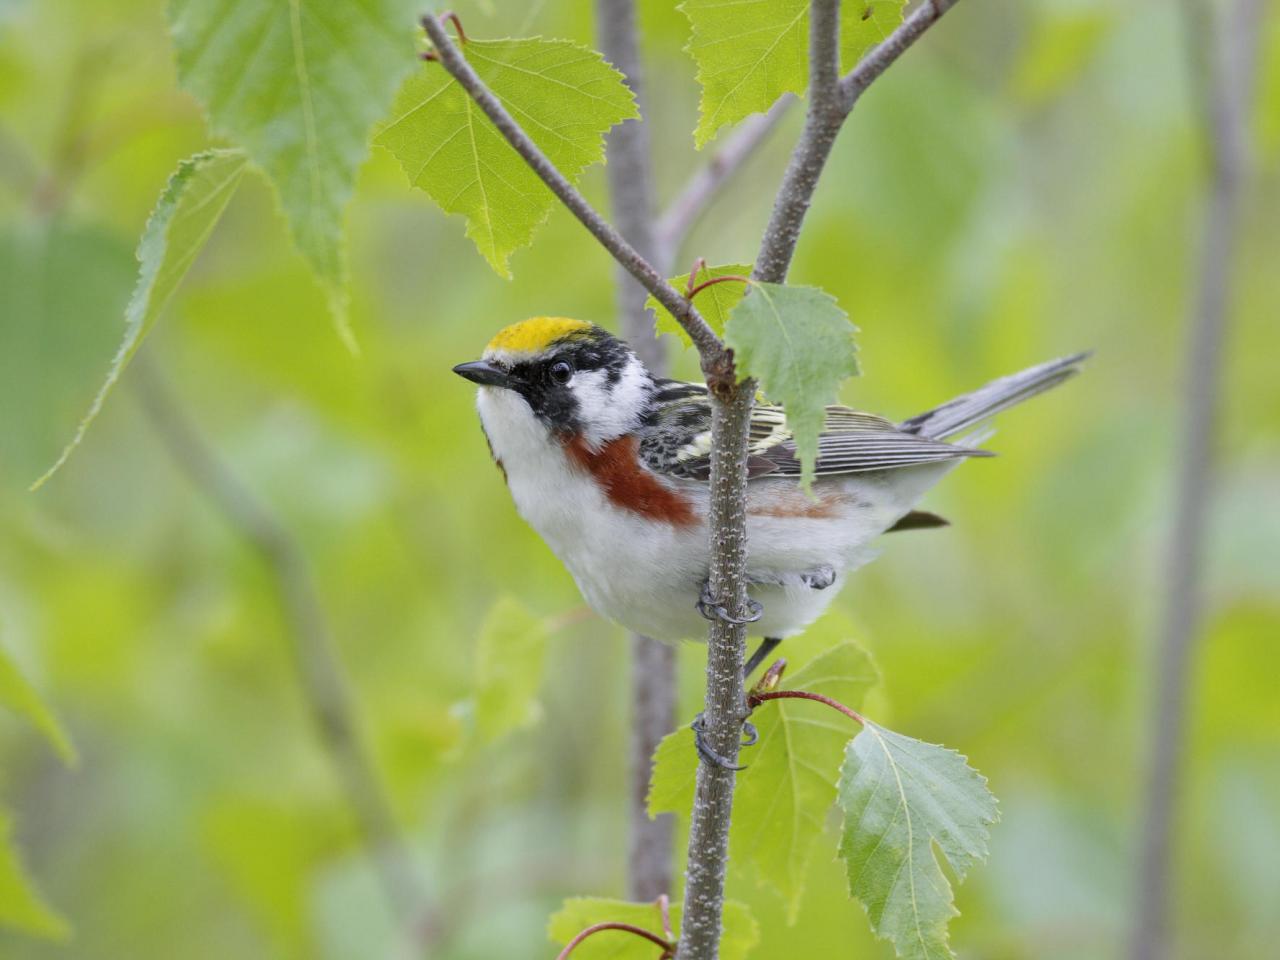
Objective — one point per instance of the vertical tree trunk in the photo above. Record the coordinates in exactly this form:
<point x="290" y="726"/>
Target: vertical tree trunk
<point x="1226" y="46"/>
<point x="653" y="665"/>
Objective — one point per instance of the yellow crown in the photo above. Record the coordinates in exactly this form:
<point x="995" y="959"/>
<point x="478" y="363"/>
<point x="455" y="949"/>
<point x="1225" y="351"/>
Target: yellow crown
<point x="535" y="334"/>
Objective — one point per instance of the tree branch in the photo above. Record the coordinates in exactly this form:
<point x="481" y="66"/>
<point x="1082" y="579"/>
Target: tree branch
<point x="828" y="107"/>
<point x="1231" y="62"/>
<point x="717" y="362"/>
<point x="830" y="101"/>
<point x="653" y="664"/>
<point x="725" y="706"/>
<point x="319" y="672"/>
<point x="705" y="186"/>
<point x="630" y="178"/>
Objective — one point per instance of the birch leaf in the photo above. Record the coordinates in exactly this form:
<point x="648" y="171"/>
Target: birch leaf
<point x="566" y="98"/>
<point x="751" y="52"/>
<point x="186" y="213"/>
<point x="299" y="84"/>
<point x="713" y="302"/>
<point x="905" y="802"/>
<point x="799" y="344"/>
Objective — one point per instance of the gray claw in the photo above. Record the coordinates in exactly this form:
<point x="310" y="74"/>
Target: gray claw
<point x="819" y="578"/>
<point x="710" y="757"/>
<point x="712" y="609"/>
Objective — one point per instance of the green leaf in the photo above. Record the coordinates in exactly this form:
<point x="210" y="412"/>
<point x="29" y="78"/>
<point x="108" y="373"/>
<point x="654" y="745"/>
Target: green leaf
<point x="23" y="699"/>
<point x="902" y="799"/>
<point x="21" y="906"/>
<point x="509" y="665"/>
<point x="299" y="84"/>
<point x="740" y="935"/>
<point x="784" y="794"/>
<point x="799" y="344"/>
<point x="63" y="287"/>
<point x="751" y="52"/>
<point x="713" y="302"/>
<point x="566" y="98"/>
<point x="186" y="213"/>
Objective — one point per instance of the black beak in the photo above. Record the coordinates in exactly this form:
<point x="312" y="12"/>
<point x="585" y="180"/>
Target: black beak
<point x="483" y="373"/>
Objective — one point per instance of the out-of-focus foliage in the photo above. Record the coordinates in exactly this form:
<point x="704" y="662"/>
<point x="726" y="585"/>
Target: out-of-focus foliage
<point x="17" y="695"/>
<point x="565" y="97"/>
<point x="21" y="907"/>
<point x="970" y="229"/>
<point x="511" y="648"/>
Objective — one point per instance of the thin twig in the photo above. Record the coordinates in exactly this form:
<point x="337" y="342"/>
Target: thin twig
<point x="319" y="672"/>
<point x="653" y="664"/>
<point x="625" y="927"/>
<point x="756" y="699"/>
<point x="717" y="362"/>
<point x="705" y="186"/>
<point x="727" y="278"/>
<point x="1231" y="61"/>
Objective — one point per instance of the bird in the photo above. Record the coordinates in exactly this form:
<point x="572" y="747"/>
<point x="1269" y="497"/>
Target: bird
<point x="610" y="466"/>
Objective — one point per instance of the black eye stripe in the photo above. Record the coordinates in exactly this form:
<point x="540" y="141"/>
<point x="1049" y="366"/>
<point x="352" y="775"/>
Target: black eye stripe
<point x="544" y="385"/>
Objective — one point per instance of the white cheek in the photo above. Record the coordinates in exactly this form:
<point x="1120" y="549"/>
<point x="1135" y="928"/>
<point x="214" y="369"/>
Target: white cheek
<point x="614" y="410"/>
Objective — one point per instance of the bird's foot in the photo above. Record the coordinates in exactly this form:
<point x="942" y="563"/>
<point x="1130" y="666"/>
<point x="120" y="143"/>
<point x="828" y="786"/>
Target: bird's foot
<point x="713" y="609"/>
<point x="711" y="757"/>
<point x="819" y="578"/>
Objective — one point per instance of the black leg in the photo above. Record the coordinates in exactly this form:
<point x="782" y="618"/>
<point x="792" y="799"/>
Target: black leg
<point x="711" y="757"/>
<point x="767" y="646"/>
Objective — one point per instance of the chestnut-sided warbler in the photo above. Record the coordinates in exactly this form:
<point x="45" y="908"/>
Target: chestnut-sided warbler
<point x="609" y="464"/>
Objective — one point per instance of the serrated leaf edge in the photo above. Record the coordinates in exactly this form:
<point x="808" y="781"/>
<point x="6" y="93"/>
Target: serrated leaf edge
<point x="137" y="308"/>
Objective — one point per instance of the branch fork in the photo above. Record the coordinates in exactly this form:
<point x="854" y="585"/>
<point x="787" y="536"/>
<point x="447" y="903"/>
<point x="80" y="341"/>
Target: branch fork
<point x="447" y="17"/>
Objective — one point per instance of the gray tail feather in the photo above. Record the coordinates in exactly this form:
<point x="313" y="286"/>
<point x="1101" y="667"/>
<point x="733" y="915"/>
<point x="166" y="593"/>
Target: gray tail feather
<point x="964" y="412"/>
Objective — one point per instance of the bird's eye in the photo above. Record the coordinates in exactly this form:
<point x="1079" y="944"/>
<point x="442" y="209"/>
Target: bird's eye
<point x="561" y="371"/>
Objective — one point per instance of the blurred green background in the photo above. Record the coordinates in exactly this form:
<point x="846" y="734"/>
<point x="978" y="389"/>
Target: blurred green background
<point x="1026" y="183"/>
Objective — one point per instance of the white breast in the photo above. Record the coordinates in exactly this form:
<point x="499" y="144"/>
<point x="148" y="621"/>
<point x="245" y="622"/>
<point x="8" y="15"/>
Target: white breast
<point x="647" y="574"/>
